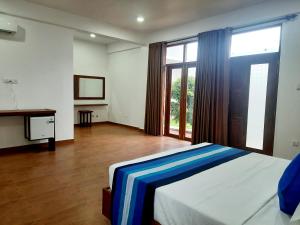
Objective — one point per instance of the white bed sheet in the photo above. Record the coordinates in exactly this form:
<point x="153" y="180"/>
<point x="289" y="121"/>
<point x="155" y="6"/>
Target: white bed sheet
<point x="242" y="191"/>
<point x="270" y="215"/>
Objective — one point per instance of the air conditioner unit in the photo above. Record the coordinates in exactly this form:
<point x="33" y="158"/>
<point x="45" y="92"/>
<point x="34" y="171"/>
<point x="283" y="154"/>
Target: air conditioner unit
<point x="8" y="25"/>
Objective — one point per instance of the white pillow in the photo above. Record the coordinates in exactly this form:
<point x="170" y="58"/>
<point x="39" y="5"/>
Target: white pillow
<point x="296" y="217"/>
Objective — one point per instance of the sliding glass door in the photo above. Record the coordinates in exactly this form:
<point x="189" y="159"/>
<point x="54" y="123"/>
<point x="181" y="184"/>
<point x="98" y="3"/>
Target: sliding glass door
<point x="180" y="101"/>
<point x="181" y="73"/>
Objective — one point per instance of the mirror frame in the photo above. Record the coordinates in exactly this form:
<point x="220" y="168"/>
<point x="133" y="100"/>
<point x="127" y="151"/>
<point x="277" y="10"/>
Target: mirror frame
<point x="77" y="91"/>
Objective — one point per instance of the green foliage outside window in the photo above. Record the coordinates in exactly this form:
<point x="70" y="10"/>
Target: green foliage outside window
<point x="175" y="103"/>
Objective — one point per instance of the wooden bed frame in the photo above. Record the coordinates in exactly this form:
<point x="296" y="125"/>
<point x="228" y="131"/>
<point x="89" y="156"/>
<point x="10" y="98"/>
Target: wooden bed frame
<point x="106" y="204"/>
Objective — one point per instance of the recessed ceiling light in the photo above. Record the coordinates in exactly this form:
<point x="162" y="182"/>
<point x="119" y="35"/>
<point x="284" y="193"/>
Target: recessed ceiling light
<point x="92" y="35"/>
<point x="140" y="19"/>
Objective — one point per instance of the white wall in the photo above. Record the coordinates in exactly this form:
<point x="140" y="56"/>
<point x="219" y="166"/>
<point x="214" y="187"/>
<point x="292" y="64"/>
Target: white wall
<point x="91" y="59"/>
<point x="41" y="58"/>
<point x="288" y="104"/>
<point x="125" y="85"/>
<point x="127" y="69"/>
<point x="122" y="46"/>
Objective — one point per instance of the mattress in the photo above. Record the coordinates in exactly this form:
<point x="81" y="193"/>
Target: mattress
<point x="242" y="191"/>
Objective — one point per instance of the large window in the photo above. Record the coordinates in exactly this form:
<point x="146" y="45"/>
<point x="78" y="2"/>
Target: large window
<point x="181" y="74"/>
<point x="256" y="42"/>
<point x="182" y="53"/>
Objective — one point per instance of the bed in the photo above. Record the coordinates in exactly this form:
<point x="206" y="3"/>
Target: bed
<point x="240" y="191"/>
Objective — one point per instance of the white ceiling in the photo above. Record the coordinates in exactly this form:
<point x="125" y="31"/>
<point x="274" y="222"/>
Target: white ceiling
<point x="158" y="14"/>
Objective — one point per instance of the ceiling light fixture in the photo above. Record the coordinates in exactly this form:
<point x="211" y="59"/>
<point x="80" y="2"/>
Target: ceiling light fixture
<point x="93" y="35"/>
<point x="140" y="19"/>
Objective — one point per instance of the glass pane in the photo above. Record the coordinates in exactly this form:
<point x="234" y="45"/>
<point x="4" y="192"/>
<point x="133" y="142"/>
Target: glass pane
<point x="190" y="101"/>
<point x="191" y="52"/>
<point x="174" y="54"/>
<point x="256" y="42"/>
<point x="257" y="105"/>
<point x="175" y="101"/>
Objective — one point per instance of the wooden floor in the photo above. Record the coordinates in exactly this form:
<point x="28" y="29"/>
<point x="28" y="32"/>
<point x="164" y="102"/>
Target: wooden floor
<point x="64" y="187"/>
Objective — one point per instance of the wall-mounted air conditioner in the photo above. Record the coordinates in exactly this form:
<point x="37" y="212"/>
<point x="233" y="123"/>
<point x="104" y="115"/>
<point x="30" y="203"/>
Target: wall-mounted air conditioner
<point x="8" y="25"/>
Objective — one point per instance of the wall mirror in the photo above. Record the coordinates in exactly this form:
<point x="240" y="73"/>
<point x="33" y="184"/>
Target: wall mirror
<point x="89" y="88"/>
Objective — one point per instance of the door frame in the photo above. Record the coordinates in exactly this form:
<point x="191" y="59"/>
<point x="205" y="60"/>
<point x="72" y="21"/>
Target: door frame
<point x="183" y="98"/>
<point x="271" y="99"/>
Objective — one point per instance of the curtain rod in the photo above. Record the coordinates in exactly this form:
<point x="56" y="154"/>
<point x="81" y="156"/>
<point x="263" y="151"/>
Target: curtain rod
<point x="265" y="23"/>
<point x="250" y="26"/>
<point x="182" y="40"/>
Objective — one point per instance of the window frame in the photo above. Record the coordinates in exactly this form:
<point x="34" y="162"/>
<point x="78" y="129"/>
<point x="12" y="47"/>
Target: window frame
<point x="184" y="66"/>
<point x="185" y="43"/>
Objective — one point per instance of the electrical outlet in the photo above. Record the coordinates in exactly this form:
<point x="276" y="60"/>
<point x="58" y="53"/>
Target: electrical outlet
<point x="10" y="81"/>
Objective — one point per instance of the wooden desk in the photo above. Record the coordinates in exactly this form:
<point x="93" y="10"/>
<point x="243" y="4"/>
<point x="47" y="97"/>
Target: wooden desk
<point x="29" y="114"/>
<point x="80" y="105"/>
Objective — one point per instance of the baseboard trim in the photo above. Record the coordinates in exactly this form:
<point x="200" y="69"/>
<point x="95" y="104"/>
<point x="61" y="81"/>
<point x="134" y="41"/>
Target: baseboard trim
<point x="63" y="142"/>
<point x="115" y="124"/>
<point x="93" y="123"/>
<point x="35" y="147"/>
<point x="124" y="125"/>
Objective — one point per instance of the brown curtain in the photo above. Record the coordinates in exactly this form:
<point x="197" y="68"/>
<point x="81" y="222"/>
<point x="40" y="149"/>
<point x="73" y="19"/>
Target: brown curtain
<point x="210" y="117"/>
<point x="155" y="89"/>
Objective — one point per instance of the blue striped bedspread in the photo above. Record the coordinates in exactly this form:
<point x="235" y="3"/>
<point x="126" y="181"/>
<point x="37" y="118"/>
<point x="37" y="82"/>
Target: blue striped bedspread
<point x="134" y="185"/>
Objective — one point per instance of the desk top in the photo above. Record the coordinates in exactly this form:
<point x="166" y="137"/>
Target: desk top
<point x="27" y="112"/>
<point x="78" y="105"/>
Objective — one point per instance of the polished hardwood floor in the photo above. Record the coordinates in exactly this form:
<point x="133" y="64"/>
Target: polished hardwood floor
<point x="38" y="187"/>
